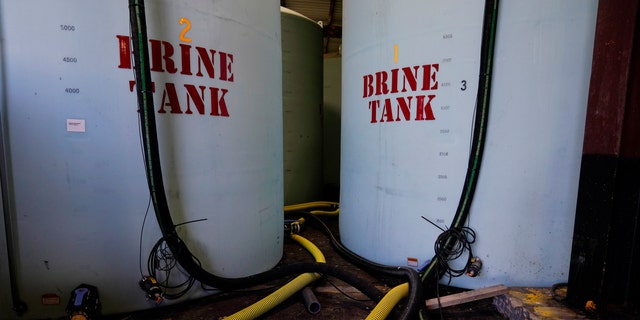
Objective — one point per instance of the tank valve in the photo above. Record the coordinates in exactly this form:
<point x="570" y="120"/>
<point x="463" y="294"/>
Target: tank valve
<point x="474" y="267"/>
<point x="84" y="303"/>
<point x="150" y="286"/>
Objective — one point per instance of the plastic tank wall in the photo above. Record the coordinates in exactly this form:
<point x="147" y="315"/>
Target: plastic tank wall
<point x="76" y="177"/>
<point x="410" y="81"/>
<point x="302" y="107"/>
<point x="332" y="93"/>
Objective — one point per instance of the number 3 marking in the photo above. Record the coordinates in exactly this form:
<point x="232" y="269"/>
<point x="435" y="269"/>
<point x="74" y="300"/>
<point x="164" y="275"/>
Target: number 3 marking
<point x="464" y="85"/>
<point x="186" y="29"/>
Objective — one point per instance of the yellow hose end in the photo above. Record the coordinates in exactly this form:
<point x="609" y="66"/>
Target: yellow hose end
<point x="315" y="251"/>
<point x="325" y="213"/>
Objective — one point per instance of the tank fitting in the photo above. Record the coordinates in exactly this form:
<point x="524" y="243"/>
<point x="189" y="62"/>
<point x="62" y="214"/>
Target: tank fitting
<point x="150" y="286"/>
<point x="474" y="268"/>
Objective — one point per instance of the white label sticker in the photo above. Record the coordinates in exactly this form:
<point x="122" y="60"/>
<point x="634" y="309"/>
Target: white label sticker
<point x="76" y="125"/>
<point x="412" y="262"/>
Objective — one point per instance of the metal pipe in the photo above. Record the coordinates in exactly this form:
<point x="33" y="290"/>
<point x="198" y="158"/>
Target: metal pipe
<point x="310" y="300"/>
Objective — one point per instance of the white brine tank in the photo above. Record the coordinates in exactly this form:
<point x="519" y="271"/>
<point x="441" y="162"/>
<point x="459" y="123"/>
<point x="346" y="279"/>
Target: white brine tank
<point x="75" y="173"/>
<point x="410" y="82"/>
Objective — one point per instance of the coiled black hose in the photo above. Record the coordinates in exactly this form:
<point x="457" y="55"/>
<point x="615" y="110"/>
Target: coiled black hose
<point x="463" y="238"/>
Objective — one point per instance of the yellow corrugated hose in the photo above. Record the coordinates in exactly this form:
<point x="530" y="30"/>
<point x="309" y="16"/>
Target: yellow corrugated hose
<point x="388" y="302"/>
<point x="315" y="205"/>
<point x="269" y="302"/>
<point x="391" y="299"/>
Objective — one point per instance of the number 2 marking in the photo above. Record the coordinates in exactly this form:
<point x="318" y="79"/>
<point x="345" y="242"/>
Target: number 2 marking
<point x="186" y="29"/>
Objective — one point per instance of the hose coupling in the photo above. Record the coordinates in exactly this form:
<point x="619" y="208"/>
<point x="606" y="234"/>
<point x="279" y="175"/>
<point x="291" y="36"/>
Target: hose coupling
<point x="293" y="227"/>
<point x="474" y="268"/>
<point x="150" y="286"/>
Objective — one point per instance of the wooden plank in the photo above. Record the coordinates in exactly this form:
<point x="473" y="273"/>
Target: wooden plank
<point x="347" y="290"/>
<point x="467" y="296"/>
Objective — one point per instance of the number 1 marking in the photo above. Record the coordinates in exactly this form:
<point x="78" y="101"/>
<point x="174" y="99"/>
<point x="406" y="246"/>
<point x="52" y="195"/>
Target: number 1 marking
<point x="395" y="54"/>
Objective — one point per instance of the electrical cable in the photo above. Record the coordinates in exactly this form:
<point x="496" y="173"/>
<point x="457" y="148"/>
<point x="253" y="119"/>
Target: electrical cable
<point x="162" y="259"/>
<point x="144" y="220"/>
<point x="344" y="293"/>
<point x="463" y="238"/>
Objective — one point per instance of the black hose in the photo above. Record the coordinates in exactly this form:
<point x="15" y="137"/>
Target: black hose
<point x="156" y="187"/>
<point x="18" y="305"/>
<point x="147" y="116"/>
<point x="415" y="285"/>
<point x="429" y="273"/>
